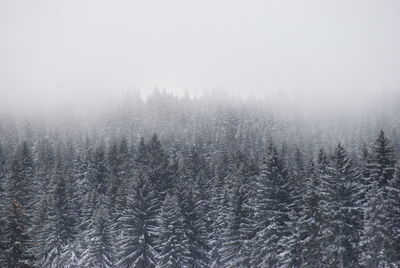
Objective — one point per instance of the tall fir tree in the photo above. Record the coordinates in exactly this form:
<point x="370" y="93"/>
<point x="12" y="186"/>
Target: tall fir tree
<point x="174" y="248"/>
<point x="195" y="227"/>
<point x="157" y="165"/>
<point x="139" y="222"/>
<point x="393" y="200"/>
<point x="60" y="227"/>
<point x="100" y="251"/>
<point x="307" y="234"/>
<point x="18" y="243"/>
<point x="343" y="218"/>
<point x="272" y="205"/>
<point x="377" y="241"/>
<point x="3" y="202"/>
<point x="235" y="249"/>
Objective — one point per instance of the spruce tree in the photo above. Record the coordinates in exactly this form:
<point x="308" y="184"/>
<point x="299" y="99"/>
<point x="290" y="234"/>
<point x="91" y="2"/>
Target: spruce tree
<point x="272" y="208"/>
<point x="59" y="228"/>
<point x="174" y="248"/>
<point x="70" y="256"/>
<point x="377" y="241"/>
<point x="195" y="228"/>
<point x="137" y="240"/>
<point x="340" y="190"/>
<point x="298" y="180"/>
<point x="393" y="200"/>
<point x="308" y="228"/>
<point x="235" y="248"/>
<point x="3" y="203"/>
<point x="157" y="165"/>
<point x="18" y="243"/>
<point x="21" y="184"/>
<point x="100" y="251"/>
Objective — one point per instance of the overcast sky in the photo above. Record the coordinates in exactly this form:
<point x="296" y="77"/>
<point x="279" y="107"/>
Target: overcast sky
<point x="56" y="50"/>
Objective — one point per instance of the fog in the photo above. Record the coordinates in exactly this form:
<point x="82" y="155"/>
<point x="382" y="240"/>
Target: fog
<point x="81" y="53"/>
<point x="199" y="133"/>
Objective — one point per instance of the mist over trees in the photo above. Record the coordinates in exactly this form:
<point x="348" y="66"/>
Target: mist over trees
<point x="201" y="182"/>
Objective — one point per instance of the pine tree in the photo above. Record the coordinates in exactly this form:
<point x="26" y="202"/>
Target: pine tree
<point x="58" y="229"/>
<point x="141" y="157"/>
<point x="377" y="241"/>
<point x="393" y="200"/>
<point x="126" y="170"/>
<point x="340" y="211"/>
<point x="298" y="179"/>
<point x="195" y="228"/>
<point x="100" y="252"/>
<point x="157" y="165"/>
<point x="101" y="172"/>
<point x="307" y="233"/>
<point x="18" y="243"/>
<point x="174" y="249"/>
<point x="3" y="203"/>
<point x="375" y="237"/>
<point x="382" y="166"/>
<point x="95" y="185"/>
<point x="21" y="186"/>
<point x="70" y="256"/>
<point x="235" y="251"/>
<point x="139" y="224"/>
<point x="113" y="163"/>
<point x="219" y="215"/>
<point x="272" y="205"/>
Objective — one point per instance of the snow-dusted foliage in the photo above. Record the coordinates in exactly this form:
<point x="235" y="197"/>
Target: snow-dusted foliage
<point x="179" y="182"/>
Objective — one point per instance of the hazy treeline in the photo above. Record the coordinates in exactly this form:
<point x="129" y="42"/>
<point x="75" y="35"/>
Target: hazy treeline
<point x="207" y="182"/>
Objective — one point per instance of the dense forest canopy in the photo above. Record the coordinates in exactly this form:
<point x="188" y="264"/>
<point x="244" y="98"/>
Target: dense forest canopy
<point x="202" y="182"/>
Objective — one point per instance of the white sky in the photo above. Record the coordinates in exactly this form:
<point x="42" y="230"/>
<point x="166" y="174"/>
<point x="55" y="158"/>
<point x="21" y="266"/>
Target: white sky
<point x="55" y="50"/>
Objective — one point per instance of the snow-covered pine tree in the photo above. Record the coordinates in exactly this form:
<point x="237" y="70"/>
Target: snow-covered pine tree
<point x="174" y="249"/>
<point x="137" y="246"/>
<point x="377" y="240"/>
<point x="21" y="182"/>
<point x="70" y="256"/>
<point x="157" y="165"/>
<point x="81" y="186"/>
<point x="307" y="234"/>
<point x="126" y="170"/>
<point x="375" y="237"/>
<point x="341" y="210"/>
<point x="18" y="243"/>
<point x="235" y="249"/>
<point x="100" y="176"/>
<point x="382" y="164"/>
<point x="59" y="228"/>
<point x="393" y="200"/>
<point x="113" y="163"/>
<point x="2" y="202"/>
<point x="95" y="184"/>
<point x="219" y="214"/>
<point x="272" y="213"/>
<point x="297" y="178"/>
<point x="100" y="251"/>
<point x="195" y="228"/>
<point x="141" y="157"/>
